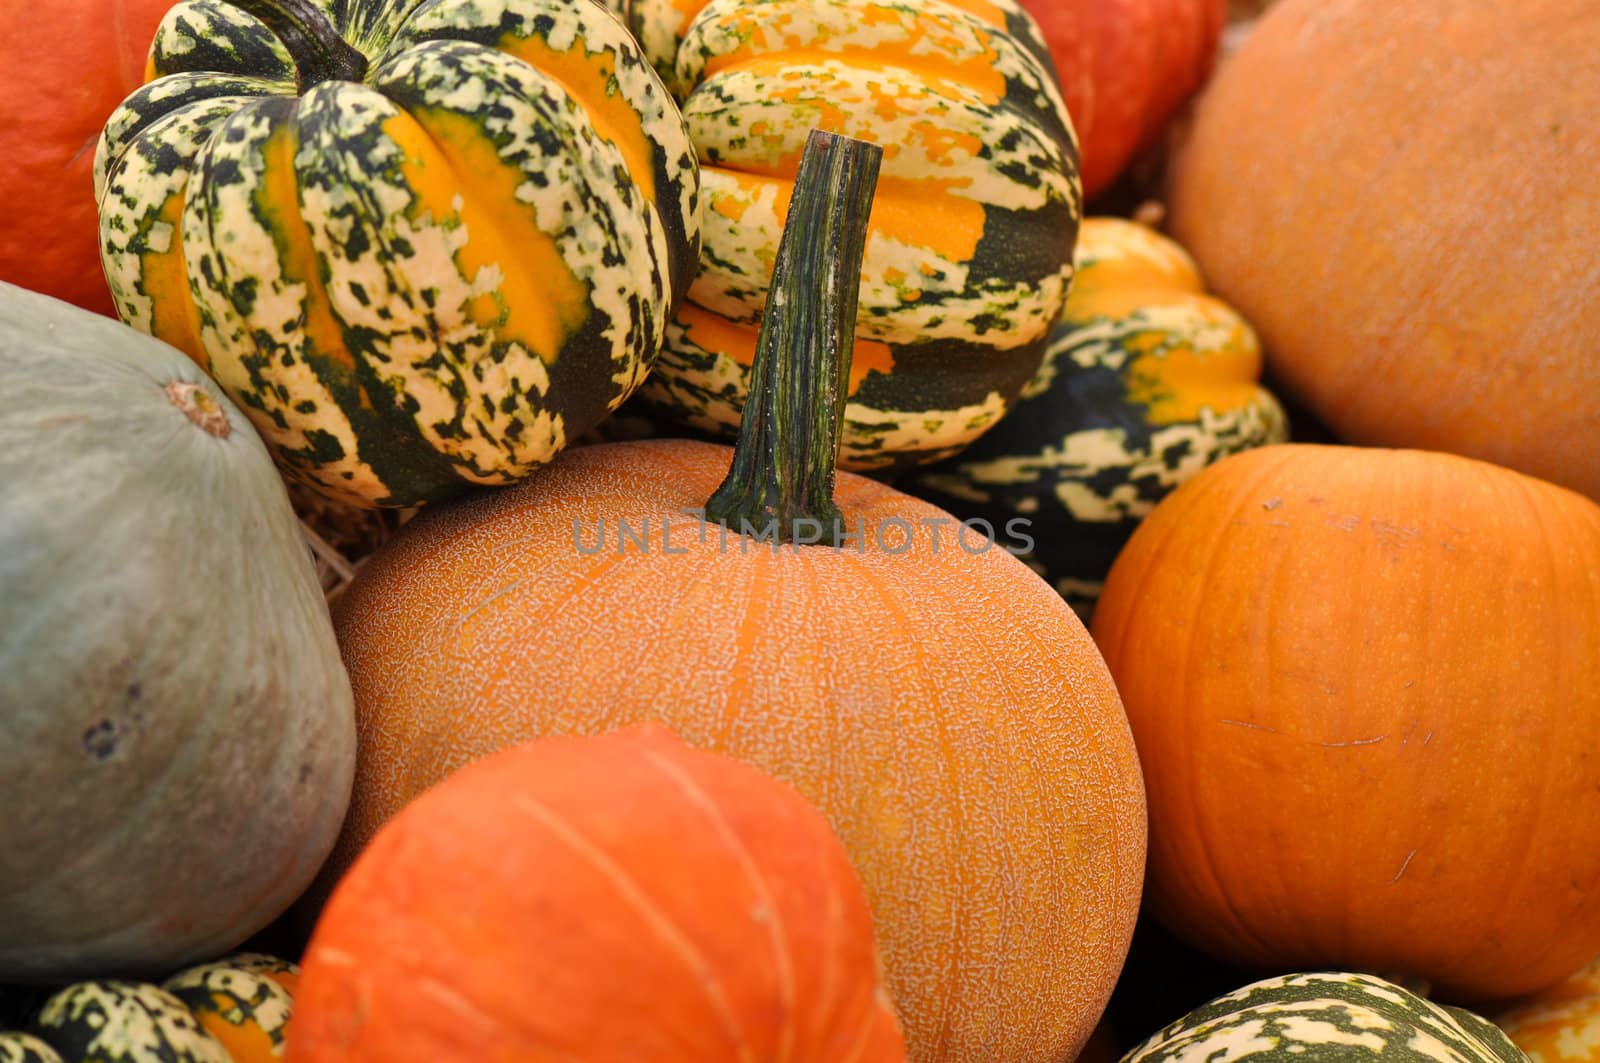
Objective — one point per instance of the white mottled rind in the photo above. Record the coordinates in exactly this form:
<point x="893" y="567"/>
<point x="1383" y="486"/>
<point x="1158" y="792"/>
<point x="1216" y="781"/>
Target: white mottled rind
<point x="240" y="992"/>
<point x="126" y="1022"/>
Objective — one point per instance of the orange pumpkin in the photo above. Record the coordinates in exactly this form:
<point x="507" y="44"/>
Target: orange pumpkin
<point x="1365" y="689"/>
<point x="68" y="66"/>
<point x="612" y="899"/>
<point x="940" y="704"/>
<point x="1400" y="197"/>
<point x="1560" y="1025"/>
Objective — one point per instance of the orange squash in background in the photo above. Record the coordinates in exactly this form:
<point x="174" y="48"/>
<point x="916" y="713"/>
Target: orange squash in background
<point x="1400" y="197"/>
<point x="68" y="65"/>
<point x="1365" y="689"/>
<point x="1560" y="1025"/>
<point x="610" y="899"/>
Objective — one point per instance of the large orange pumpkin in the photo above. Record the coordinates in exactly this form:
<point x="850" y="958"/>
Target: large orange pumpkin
<point x="1365" y="688"/>
<point x="610" y="899"/>
<point x="67" y="67"/>
<point x="939" y="703"/>
<point x="1125" y="67"/>
<point x="1400" y="197"/>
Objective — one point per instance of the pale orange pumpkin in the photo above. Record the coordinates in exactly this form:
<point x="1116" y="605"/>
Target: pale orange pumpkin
<point x="939" y="703"/>
<point x="1400" y="197"/>
<point x="1365" y="689"/>
<point x="610" y="899"/>
<point x="1560" y="1025"/>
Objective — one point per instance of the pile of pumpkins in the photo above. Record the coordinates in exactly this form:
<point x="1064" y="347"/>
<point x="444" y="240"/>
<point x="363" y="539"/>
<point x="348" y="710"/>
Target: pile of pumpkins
<point x="943" y="603"/>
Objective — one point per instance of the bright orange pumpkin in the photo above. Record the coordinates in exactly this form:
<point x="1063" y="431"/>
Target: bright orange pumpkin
<point x="940" y="704"/>
<point x="1400" y="197"/>
<point x="1560" y="1025"/>
<point x="610" y="899"/>
<point x="1365" y="689"/>
<point x="67" y="66"/>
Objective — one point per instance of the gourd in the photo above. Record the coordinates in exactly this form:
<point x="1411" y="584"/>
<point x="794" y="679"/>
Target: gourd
<point x="1351" y="673"/>
<point x="178" y="724"/>
<point x="112" y="1021"/>
<point x="1417" y="265"/>
<point x="941" y="706"/>
<point x="1327" y="1015"/>
<point x="422" y="246"/>
<point x="16" y="1047"/>
<point x="1559" y="1025"/>
<point x="245" y="1001"/>
<point x="48" y="226"/>
<point x="969" y="254"/>
<point x="1147" y="380"/>
<point x="628" y="894"/>
<point x="1126" y="66"/>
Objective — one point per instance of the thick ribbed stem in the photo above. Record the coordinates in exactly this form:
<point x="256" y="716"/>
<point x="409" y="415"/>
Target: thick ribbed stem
<point x="781" y="482"/>
<point x="319" y="52"/>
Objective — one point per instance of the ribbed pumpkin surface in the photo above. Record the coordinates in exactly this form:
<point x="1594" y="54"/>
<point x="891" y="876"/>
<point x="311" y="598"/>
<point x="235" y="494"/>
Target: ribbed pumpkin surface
<point x="1400" y="196"/>
<point x="945" y="711"/>
<point x="1326" y="1018"/>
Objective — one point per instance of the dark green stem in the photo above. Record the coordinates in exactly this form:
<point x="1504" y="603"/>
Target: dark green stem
<point x="319" y="52"/>
<point x="781" y="482"/>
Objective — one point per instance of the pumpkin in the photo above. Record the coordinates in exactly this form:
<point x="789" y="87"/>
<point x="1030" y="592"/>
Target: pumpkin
<point x="940" y="704"/>
<point x="1560" y="1025"/>
<point x="112" y="1021"/>
<point x="1327" y="1015"/>
<point x="970" y="250"/>
<point x="420" y="245"/>
<point x="85" y="56"/>
<point x="244" y="1001"/>
<point x="1126" y="66"/>
<point x="26" y="1048"/>
<point x="179" y="725"/>
<point x="623" y="893"/>
<point x="1419" y="267"/>
<point x="1147" y="380"/>
<point x="1354" y="676"/>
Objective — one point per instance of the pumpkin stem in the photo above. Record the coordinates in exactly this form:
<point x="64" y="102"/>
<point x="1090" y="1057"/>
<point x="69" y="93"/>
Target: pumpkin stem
<point x="780" y="485"/>
<point x="319" y="52"/>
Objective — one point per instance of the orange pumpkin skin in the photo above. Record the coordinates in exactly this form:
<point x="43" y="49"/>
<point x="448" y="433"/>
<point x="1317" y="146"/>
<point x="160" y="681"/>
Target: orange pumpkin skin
<point x="66" y="71"/>
<point x="1365" y="688"/>
<point x="616" y="898"/>
<point x="1400" y="197"/>
<point x="1560" y="1025"/>
<point x="945" y="710"/>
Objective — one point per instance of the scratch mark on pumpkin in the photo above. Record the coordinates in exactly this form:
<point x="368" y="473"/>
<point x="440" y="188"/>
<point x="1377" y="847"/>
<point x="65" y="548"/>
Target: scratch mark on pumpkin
<point x="1252" y="726"/>
<point x="458" y="1005"/>
<point x="1403" y="865"/>
<point x="1353" y="742"/>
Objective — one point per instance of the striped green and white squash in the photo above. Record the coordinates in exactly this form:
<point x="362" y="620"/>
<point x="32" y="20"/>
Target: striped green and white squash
<point x="1331" y="1017"/>
<point x="25" y="1048"/>
<point x="1147" y="380"/>
<point x="423" y="243"/>
<point x="969" y="256"/>
<point x="124" y="1022"/>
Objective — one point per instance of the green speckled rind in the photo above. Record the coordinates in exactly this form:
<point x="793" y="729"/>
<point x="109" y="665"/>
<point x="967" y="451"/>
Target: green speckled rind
<point x="1326" y="1018"/>
<point x="240" y="991"/>
<point x="124" y="1022"/>
<point x="26" y="1048"/>
<point x="970" y="255"/>
<point x="427" y="280"/>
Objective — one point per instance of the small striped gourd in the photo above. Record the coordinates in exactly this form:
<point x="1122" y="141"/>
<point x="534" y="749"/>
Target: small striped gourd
<point x="1147" y="380"/>
<point x="422" y="245"/>
<point x="124" y="1022"/>
<point x="1559" y="1025"/>
<point x="1333" y="1016"/>
<point x="969" y="254"/>
<point x="18" y="1047"/>
<point x="245" y="1001"/>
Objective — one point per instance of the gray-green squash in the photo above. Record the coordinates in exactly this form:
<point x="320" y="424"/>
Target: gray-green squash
<point x="177" y="736"/>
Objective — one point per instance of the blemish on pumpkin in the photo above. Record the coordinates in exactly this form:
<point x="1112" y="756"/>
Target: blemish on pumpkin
<point x="1403" y="865"/>
<point x="100" y="741"/>
<point x="201" y="409"/>
<point x="1271" y="504"/>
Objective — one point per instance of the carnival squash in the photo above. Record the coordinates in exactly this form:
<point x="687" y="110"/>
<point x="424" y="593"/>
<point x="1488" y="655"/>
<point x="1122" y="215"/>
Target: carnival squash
<point x="422" y="246"/>
<point x="1147" y="381"/>
<point x="124" y="1022"/>
<point x="245" y="1001"/>
<point x="1365" y="688"/>
<point x="1327" y="1015"/>
<point x="970" y="251"/>
<point x="1559" y="1025"/>
<point x="177" y="739"/>
<point x="67" y="66"/>
<point x="1399" y="196"/>
<point x="623" y="893"/>
<point x="1126" y="66"/>
<point x="18" y="1047"/>
<point x="941" y="705"/>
